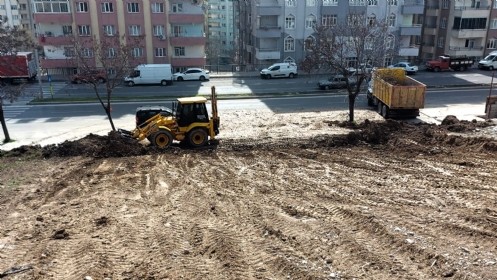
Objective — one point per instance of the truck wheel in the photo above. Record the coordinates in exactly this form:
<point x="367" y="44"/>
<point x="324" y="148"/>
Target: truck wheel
<point x="163" y="83"/>
<point x="384" y="111"/>
<point x="162" y="139"/>
<point x="379" y="107"/>
<point x="197" y="137"/>
<point x="130" y="84"/>
<point x="437" y="69"/>
<point x="291" y="76"/>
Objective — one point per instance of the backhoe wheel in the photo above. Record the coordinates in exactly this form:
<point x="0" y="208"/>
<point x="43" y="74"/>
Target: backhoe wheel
<point x="197" y="137"/>
<point x="162" y="139"/>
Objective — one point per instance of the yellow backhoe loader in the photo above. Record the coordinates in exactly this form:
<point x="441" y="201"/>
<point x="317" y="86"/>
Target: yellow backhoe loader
<point x="189" y="122"/>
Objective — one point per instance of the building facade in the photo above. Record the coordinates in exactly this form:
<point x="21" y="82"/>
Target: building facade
<point x="457" y="28"/>
<point x="277" y="30"/>
<point x="9" y="13"/>
<point x="221" y="30"/>
<point x="171" y="31"/>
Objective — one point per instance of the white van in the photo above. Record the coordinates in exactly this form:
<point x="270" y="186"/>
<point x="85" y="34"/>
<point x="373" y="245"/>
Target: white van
<point x="150" y="74"/>
<point x="280" y="70"/>
<point x="489" y="62"/>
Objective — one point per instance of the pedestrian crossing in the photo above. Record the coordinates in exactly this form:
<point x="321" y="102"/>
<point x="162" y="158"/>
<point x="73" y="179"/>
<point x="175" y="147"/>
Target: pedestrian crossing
<point x="32" y="91"/>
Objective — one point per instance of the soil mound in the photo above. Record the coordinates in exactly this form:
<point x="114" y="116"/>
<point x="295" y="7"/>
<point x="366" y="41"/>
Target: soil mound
<point x="393" y="135"/>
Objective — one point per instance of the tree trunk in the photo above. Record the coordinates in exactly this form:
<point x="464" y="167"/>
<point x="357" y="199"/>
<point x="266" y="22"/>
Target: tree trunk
<point x="352" y="98"/>
<point x="4" y="124"/>
<point x="108" y="112"/>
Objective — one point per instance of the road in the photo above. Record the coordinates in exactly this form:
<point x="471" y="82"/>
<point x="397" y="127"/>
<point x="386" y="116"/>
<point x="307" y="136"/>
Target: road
<point x="53" y="123"/>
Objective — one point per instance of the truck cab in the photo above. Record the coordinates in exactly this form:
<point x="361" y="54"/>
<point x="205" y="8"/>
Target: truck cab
<point x="447" y="62"/>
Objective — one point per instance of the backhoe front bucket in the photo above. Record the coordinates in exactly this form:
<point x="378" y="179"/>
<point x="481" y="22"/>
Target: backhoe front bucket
<point x="125" y="133"/>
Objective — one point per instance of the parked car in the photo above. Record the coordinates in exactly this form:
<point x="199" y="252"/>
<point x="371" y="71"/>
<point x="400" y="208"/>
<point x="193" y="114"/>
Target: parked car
<point x="196" y="74"/>
<point x="408" y="67"/>
<point x="337" y="81"/>
<point x="280" y="70"/>
<point x="89" y="77"/>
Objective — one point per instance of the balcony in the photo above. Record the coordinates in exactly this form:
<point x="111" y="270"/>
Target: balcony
<point x="475" y="51"/>
<point x="58" y="18"/>
<point x="268" y="32"/>
<point x="413" y="7"/>
<point x="469" y="33"/>
<point x="262" y="54"/>
<point x="178" y="40"/>
<point x="54" y="39"/>
<point x="409" y="51"/>
<point x="274" y="10"/>
<point x="411" y="30"/>
<point x="175" y="18"/>
<point x="468" y="12"/>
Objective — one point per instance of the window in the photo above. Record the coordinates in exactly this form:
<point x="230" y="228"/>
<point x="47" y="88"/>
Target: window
<point x="390" y="42"/>
<point x="137" y="52"/>
<point x="111" y="53"/>
<point x="82" y="7"/>
<point x="67" y="29"/>
<point x="372" y="2"/>
<point x="357" y="2"/>
<point x="469" y="23"/>
<point x="107" y="7"/>
<point x="475" y="4"/>
<point x="388" y="61"/>
<point x="310" y="21"/>
<point x="309" y="42"/>
<point x="310" y="3"/>
<point x="86" y="52"/>
<point x="179" y="51"/>
<point x="470" y="43"/>
<point x="158" y="30"/>
<point x="329" y="20"/>
<point x="392" y="2"/>
<point x="133" y="8"/>
<point x="445" y="4"/>
<point x="157" y="8"/>
<point x="290" y="3"/>
<point x="443" y="23"/>
<point x="368" y="43"/>
<point x="492" y="44"/>
<point x="109" y="30"/>
<point x="2" y="7"/>
<point x="391" y="19"/>
<point x="440" y="42"/>
<point x="69" y="51"/>
<point x="493" y="23"/>
<point x="13" y="7"/>
<point x="495" y="3"/>
<point x="289" y="44"/>
<point x="160" y="52"/>
<point x="178" y="30"/>
<point x="330" y="2"/>
<point x="61" y="6"/>
<point x="15" y="17"/>
<point x="177" y="7"/>
<point x="371" y="20"/>
<point x="84" y="30"/>
<point x="353" y="20"/>
<point x="134" y="30"/>
<point x="290" y="22"/>
<point x="289" y="60"/>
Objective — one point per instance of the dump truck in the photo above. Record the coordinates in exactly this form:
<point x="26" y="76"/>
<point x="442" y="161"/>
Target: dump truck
<point x="189" y="122"/>
<point x="18" y="66"/>
<point x="394" y="94"/>
<point x="447" y="62"/>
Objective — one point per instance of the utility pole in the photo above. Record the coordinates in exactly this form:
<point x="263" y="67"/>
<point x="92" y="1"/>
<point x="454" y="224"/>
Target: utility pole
<point x="37" y="57"/>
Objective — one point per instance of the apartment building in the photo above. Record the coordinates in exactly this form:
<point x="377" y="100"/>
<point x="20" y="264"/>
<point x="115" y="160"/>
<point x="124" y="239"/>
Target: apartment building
<point x="457" y="28"/>
<point x="171" y="31"/>
<point x="221" y="31"/>
<point x="278" y="29"/>
<point x="9" y="13"/>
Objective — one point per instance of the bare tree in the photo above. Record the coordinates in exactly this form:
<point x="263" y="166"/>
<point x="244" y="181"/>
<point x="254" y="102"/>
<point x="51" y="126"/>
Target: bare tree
<point x="104" y="62"/>
<point x="348" y="48"/>
<point x="12" y="40"/>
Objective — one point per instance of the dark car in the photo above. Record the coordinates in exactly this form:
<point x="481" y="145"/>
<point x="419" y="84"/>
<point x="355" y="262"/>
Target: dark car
<point x="89" y="77"/>
<point x="144" y="113"/>
<point x="337" y="81"/>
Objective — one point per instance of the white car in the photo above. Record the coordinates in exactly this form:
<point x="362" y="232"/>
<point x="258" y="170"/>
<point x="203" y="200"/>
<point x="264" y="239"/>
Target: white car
<point x="196" y="74"/>
<point x="409" y="68"/>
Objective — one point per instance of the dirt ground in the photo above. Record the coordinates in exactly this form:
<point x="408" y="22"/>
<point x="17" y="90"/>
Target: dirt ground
<point x="281" y="196"/>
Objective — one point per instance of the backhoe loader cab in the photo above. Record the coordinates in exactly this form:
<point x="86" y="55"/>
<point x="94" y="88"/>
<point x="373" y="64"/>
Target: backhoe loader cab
<point x="189" y="123"/>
